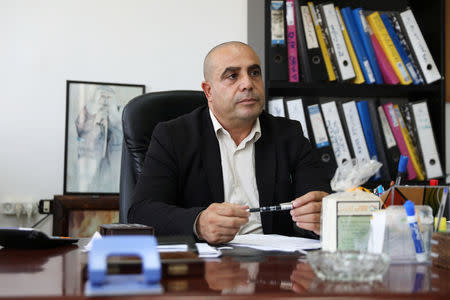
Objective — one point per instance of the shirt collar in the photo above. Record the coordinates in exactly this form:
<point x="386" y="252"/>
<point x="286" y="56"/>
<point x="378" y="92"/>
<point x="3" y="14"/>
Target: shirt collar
<point x="255" y="133"/>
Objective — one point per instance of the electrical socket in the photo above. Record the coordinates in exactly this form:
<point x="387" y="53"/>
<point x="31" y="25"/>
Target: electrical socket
<point x="8" y="208"/>
<point x="46" y="206"/>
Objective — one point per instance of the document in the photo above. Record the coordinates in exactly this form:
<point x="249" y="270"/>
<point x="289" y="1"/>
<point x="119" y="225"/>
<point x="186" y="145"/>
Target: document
<point x="275" y="242"/>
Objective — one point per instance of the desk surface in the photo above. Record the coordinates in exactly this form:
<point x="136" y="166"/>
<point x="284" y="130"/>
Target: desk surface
<point x="61" y="272"/>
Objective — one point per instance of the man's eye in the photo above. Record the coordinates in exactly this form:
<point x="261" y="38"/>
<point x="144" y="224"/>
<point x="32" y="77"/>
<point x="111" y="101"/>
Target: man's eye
<point x="255" y="73"/>
<point x="232" y="76"/>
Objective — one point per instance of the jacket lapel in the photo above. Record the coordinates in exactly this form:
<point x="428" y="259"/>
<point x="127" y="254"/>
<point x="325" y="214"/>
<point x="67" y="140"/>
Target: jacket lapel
<point x="265" y="169"/>
<point x="211" y="159"/>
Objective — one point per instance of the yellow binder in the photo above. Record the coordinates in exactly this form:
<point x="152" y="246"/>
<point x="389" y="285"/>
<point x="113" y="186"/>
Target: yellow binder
<point x="323" y="46"/>
<point x="411" y="149"/>
<point x="359" y="75"/>
<point x="388" y="47"/>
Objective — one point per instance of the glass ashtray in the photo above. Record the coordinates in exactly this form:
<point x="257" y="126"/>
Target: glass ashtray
<point x="348" y="265"/>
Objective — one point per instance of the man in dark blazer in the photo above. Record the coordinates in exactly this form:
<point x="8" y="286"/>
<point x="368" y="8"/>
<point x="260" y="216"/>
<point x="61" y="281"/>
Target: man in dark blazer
<point x="204" y="169"/>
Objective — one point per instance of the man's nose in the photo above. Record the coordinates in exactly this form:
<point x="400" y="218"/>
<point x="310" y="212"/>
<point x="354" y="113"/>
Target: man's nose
<point x="246" y="83"/>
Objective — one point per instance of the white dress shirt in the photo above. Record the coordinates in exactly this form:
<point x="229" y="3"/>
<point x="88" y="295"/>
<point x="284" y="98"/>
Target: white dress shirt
<point x="238" y="169"/>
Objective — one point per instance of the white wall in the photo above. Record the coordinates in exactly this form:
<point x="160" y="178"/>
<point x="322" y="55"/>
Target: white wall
<point x="44" y="43"/>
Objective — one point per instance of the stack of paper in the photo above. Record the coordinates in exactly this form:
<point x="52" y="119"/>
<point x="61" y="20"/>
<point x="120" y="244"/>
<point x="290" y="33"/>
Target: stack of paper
<point x="275" y="242"/>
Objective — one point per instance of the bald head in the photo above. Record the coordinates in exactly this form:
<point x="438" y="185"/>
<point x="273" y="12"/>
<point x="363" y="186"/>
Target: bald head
<point x="208" y="63"/>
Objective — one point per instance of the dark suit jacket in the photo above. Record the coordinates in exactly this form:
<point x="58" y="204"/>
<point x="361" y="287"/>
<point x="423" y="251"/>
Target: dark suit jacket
<point x="182" y="173"/>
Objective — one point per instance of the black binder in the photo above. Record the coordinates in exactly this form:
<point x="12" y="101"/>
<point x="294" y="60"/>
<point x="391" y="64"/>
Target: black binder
<point x="324" y="150"/>
<point x="278" y="67"/>
<point x="379" y="140"/>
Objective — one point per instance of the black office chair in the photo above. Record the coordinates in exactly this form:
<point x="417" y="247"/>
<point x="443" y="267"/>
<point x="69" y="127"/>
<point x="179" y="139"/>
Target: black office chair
<point x="139" y="118"/>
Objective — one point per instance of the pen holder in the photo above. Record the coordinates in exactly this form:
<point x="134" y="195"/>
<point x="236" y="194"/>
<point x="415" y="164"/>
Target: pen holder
<point x="398" y="241"/>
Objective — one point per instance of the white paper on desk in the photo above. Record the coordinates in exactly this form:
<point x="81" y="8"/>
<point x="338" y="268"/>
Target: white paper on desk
<point x="173" y="248"/>
<point x="206" y="251"/>
<point x="275" y="242"/>
<point x="94" y="237"/>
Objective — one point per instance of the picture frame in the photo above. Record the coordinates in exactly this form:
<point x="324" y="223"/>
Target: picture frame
<point x="93" y="137"/>
<point x="80" y="215"/>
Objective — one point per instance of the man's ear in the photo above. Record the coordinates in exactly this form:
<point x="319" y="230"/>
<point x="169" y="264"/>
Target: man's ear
<point x="206" y="87"/>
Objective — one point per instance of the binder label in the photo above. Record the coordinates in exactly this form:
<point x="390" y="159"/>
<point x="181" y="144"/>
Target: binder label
<point x="308" y="26"/>
<point x="342" y="57"/>
<point x="336" y="132"/>
<point x="276" y="107"/>
<point x="319" y="132"/>
<point x="356" y="132"/>
<point x="388" y="136"/>
<point x="369" y="70"/>
<point x="420" y="48"/>
<point x="277" y="22"/>
<point x="426" y="140"/>
<point x="295" y="112"/>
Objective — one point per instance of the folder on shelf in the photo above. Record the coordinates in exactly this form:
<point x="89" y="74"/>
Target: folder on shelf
<point x="276" y="107"/>
<point x="296" y="112"/>
<point x="291" y="42"/>
<point x="336" y="133"/>
<point x="362" y="27"/>
<point x="392" y="150"/>
<point x="278" y="68"/>
<point x="409" y="145"/>
<point x="322" y="43"/>
<point x="355" y="130"/>
<point x="303" y="56"/>
<point x="381" y="149"/>
<point x="340" y="53"/>
<point x="360" y="52"/>
<point x="359" y="77"/>
<point x="315" y="58"/>
<point x="396" y="130"/>
<point x="386" y="69"/>
<point x="426" y="139"/>
<point x="388" y="47"/>
<point x="401" y="51"/>
<point x="312" y="65"/>
<point x="366" y="123"/>
<point x="319" y="138"/>
<point x="405" y="110"/>
<point x="419" y="47"/>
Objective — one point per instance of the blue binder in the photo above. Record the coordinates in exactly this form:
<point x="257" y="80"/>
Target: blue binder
<point x="409" y="66"/>
<point x="367" y="43"/>
<point x="364" y="116"/>
<point x="360" y="52"/>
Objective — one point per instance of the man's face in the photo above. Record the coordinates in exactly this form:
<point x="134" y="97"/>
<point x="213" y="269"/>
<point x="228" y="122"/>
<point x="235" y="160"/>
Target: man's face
<point x="235" y="89"/>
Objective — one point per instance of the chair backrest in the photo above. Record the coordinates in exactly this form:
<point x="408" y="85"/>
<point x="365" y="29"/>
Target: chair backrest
<point x="139" y="118"/>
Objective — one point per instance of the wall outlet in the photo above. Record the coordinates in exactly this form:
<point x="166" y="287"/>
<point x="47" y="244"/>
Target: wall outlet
<point x="8" y="208"/>
<point x="46" y="206"/>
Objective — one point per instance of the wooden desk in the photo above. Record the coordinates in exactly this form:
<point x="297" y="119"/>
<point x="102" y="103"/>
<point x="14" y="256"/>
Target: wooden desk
<point x="56" y="273"/>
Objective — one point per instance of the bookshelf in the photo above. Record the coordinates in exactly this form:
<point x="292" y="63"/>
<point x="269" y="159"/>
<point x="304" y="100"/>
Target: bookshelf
<point x="430" y="16"/>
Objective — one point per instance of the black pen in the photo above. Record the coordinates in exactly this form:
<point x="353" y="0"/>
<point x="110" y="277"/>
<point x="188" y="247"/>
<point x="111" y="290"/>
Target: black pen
<point x="279" y="207"/>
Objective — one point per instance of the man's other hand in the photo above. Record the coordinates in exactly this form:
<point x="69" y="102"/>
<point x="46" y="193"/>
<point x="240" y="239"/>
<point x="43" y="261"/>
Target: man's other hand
<point x="307" y="210"/>
<point x="220" y="222"/>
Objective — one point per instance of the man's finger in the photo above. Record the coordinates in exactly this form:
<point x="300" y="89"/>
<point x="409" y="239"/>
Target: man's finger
<point x="309" y="197"/>
<point x="308" y="218"/>
<point x="232" y="210"/>
<point x="309" y="208"/>
<point x="310" y="226"/>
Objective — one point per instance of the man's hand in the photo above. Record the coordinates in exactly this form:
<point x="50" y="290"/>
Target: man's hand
<point x="220" y="222"/>
<point x="307" y="210"/>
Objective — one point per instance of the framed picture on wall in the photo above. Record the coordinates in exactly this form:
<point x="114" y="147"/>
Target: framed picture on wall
<point x="93" y="145"/>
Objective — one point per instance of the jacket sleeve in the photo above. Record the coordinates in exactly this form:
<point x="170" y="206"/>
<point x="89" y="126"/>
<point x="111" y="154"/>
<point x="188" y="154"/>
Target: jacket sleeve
<point x="157" y="201"/>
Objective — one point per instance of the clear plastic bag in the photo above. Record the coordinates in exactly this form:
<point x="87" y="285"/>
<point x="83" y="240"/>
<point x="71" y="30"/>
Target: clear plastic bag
<point x="353" y="174"/>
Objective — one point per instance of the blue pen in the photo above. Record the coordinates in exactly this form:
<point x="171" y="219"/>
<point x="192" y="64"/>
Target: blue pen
<point x="411" y="217"/>
<point x="380" y="190"/>
<point x="403" y="162"/>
